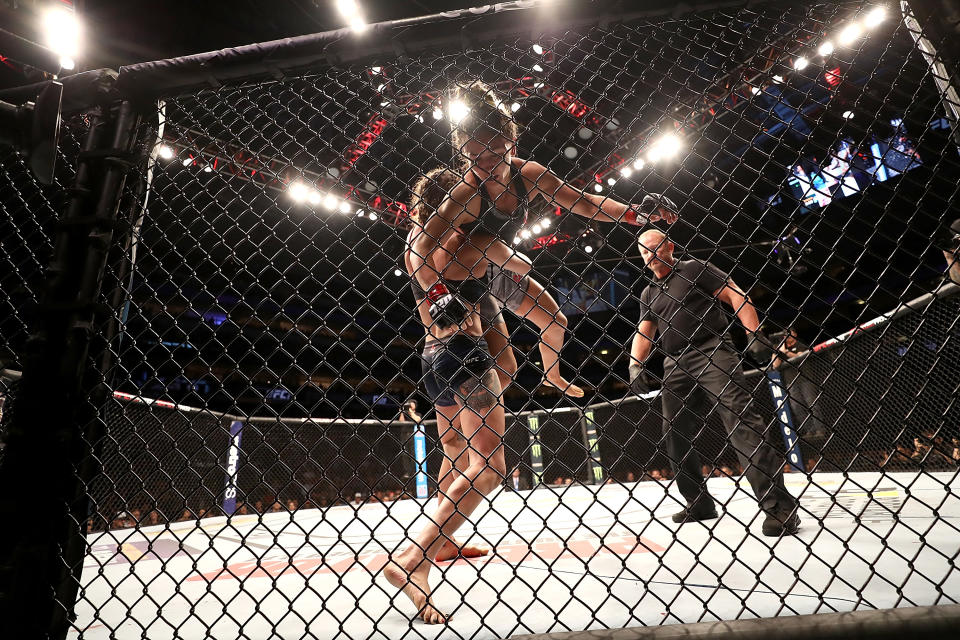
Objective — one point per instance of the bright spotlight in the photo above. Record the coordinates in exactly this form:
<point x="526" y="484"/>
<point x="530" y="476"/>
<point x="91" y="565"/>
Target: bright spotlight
<point x="315" y="197"/>
<point x="67" y="63"/>
<point x="457" y="111"/>
<point x="536" y="228"/>
<point x="588" y="249"/>
<point x="611" y="181"/>
<point x="639" y="164"/>
<point x="537" y="68"/>
<point x="348" y="8"/>
<point x="778" y="79"/>
<point x="397" y="272"/>
<point x="826" y="48"/>
<point x="626" y="172"/>
<point x="598" y="187"/>
<point x="546" y="223"/>
<point x="666" y="146"/>
<point x="850" y="34"/>
<point x="330" y="202"/>
<point x="754" y="90"/>
<point x="62" y="32"/>
<point x="525" y="234"/>
<point x="358" y="25"/>
<point x="207" y="169"/>
<point x="375" y="70"/>
<point x="538" y="85"/>
<point x="373" y="216"/>
<point x="516" y="240"/>
<point x="345" y="207"/>
<point x="188" y="161"/>
<point x="515" y="107"/>
<point x="585" y="133"/>
<point x="570" y="153"/>
<point x="800" y="63"/>
<point x="537" y="49"/>
<point x="437" y="114"/>
<point x="165" y="152"/>
<point x="847" y="115"/>
<point x="299" y="191"/>
<point x="361" y="213"/>
<point x="875" y="17"/>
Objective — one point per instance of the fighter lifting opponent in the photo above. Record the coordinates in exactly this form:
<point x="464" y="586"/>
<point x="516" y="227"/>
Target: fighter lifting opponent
<point x="484" y="210"/>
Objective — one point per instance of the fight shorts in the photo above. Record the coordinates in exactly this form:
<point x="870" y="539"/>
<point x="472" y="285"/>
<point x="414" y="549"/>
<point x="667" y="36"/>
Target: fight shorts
<point x="449" y="363"/>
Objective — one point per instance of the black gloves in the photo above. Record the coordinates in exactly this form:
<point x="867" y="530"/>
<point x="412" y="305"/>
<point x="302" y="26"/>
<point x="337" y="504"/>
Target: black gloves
<point x="446" y="310"/>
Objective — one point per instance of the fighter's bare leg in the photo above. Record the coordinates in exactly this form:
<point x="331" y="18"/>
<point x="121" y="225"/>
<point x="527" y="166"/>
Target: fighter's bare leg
<point x="498" y="340"/>
<point x="540" y="308"/>
<point x="455" y="462"/>
<point x="482" y="421"/>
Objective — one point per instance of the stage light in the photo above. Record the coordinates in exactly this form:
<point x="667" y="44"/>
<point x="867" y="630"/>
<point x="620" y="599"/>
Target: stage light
<point x="525" y="234"/>
<point x="373" y="216"/>
<point x="515" y="107"/>
<point x="380" y="88"/>
<point x="847" y="115"/>
<point x="67" y="63"/>
<point x="537" y="68"/>
<point x="778" y="79"/>
<point x="875" y="17"/>
<point x="754" y="90"/>
<point x="188" y="161"/>
<point x="457" y="111"/>
<point x="588" y="249"/>
<point x="800" y="63"/>
<point x="358" y="25"/>
<point x="598" y="187"/>
<point x="397" y="272"/>
<point x="345" y="207"/>
<point x="546" y="223"/>
<point x="207" y="169"/>
<point x="611" y="181"/>
<point x="626" y="172"/>
<point x="850" y="34"/>
<point x="570" y="152"/>
<point x="538" y="85"/>
<point x="165" y="152"/>
<point x="62" y="32"/>
<point x="536" y="228"/>
<point x="516" y="240"/>
<point x="537" y="49"/>
<point x="639" y="164"/>
<point x="315" y="197"/>
<point x="375" y="69"/>
<point x="330" y="202"/>
<point x="826" y="48"/>
<point x="361" y="213"/>
<point x="348" y="8"/>
<point x="437" y="114"/>
<point x="665" y="147"/>
<point x="612" y="124"/>
<point x="585" y="133"/>
<point x="298" y="191"/>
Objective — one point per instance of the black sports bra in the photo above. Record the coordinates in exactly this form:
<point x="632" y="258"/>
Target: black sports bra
<point x="496" y="222"/>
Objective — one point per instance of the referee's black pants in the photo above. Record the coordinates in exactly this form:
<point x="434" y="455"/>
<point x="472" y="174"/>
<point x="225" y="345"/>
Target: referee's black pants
<point x="697" y="382"/>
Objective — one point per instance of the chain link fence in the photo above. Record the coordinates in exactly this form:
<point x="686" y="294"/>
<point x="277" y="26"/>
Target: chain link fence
<point x="253" y="465"/>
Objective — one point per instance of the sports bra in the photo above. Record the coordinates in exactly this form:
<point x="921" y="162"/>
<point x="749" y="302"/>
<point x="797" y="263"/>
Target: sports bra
<point x="500" y="223"/>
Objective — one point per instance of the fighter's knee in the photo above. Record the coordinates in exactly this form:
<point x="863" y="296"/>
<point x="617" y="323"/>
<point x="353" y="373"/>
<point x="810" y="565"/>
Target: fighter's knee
<point x="489" y="479"/>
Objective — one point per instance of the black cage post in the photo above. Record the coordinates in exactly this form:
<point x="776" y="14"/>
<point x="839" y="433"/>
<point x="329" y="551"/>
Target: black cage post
<point x="48" y="449"/>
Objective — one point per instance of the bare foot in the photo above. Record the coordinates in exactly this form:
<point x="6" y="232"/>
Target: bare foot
<point x="453" y="549"/>
<point x="415" y="586"/>
<point x="561" y="383"/>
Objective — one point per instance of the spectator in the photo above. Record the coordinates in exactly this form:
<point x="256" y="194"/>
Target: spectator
<point x="951" y="251"/>
<point x="631" y="477"/>
<point x="656" y="475"/>
<point x="517" y="482"/>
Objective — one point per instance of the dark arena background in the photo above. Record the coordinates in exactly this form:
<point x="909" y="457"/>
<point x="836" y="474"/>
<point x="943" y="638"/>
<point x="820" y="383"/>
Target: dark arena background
<point x="210" y="341"/>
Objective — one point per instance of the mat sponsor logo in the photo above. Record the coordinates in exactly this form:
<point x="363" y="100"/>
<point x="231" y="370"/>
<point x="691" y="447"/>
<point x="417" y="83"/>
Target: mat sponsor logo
<point x="516" y="552"/>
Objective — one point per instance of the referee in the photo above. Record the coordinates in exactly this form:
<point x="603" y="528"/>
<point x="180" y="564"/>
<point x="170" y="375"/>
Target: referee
<point x="702" y="371"/>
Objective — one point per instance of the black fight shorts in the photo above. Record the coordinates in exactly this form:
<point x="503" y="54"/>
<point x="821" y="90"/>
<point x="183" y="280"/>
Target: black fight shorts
<point x="448" y="364"/>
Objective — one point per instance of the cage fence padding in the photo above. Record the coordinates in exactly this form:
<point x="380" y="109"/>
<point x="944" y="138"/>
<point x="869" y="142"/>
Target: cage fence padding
<point x="255" y="462"/>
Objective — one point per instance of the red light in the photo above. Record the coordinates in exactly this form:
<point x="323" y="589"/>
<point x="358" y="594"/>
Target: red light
<point x="832" y="76"/>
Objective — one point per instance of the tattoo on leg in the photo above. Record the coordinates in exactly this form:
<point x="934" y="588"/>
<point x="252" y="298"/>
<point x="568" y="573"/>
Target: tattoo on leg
<point x="477" y="394"/>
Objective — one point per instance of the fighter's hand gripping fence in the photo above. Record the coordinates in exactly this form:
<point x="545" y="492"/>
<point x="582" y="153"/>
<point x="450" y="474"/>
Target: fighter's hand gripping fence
<point x="238" y="457"/>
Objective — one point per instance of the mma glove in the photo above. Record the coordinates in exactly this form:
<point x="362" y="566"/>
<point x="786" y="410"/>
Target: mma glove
<point x="761" y="347"/>
<point x="649" y="210"/>
<point x="446" y="310"/>
<point x="641" y="382"/>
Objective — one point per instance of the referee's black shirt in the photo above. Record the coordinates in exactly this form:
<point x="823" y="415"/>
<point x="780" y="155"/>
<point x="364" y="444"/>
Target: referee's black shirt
<point x="684" y="306"/>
